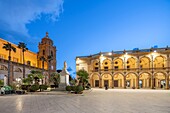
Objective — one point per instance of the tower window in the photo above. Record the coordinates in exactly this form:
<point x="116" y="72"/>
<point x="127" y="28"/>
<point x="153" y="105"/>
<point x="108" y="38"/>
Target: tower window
<point x="43" y="52"/>
<point x="51" y="53"/>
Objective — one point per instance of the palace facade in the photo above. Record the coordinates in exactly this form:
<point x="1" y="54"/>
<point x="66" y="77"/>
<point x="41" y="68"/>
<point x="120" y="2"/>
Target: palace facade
<point x="145" y="68"/>
<point x="32" y="60"/>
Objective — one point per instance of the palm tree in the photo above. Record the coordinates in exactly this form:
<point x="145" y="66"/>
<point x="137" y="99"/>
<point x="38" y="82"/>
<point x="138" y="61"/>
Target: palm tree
<point x="42" y="58"/>
<point x="22" y="46"/>
<point x="9" y="47"/>
<point x="83" y="77"/>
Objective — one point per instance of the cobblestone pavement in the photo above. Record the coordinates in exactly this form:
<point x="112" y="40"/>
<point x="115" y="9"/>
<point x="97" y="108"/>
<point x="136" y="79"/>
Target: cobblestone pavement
<point x="95" y="101"/>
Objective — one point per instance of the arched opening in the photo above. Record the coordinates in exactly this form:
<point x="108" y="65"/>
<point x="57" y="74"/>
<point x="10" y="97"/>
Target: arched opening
<point x="118" y="80"/>
<point x="18" y="70"/>
<point x="106" y="80"/>
<point x="131" y="80"/>
<point x="144" y="62"/>
<point x="131" y="63"/>
<point x="94" y="80"/>
<point x="145" y="80"/>
<point x="106" y="65"/>
<point x="118" y="63"/>
<point x="159" y="62"/>
<point x="3" y="67"/>
<point x="159" y="80"/>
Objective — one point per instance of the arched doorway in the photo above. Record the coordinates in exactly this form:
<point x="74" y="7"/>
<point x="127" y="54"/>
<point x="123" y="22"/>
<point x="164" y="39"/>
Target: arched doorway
<point x="159" y="80"/>
<point x="131" y="80"/>
<point x="145" y="80"/>
<point x="95" y="80"/>
<point x="118" y="80"/>
<point x="106" y="80"/>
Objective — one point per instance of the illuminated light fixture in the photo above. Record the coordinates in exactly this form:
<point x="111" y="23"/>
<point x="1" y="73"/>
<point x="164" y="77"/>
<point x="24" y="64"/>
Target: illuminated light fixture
<point x="126" y="53"/>
<point x="110" y="53"/>
<point x="78" y="59"/>
<point x="154" y="51"/>
<point x="101" y="54"/>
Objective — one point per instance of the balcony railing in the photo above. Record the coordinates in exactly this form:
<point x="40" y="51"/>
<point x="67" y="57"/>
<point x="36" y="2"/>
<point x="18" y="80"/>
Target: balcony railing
<point x="131" y="69"/>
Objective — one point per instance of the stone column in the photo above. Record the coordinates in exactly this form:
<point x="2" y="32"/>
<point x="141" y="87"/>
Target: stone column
<point x="124" y="82"/>
<point x="152" y="82"/>
<point x="112" y="81"/>
<point x="100" y="82"/>
<point x="137" y="82"/>
<point x="167" y="82"/>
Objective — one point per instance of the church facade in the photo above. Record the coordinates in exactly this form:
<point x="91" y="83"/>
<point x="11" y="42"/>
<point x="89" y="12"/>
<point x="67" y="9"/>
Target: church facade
<point x="32" y="60"/>
<point x="145" y="68"/>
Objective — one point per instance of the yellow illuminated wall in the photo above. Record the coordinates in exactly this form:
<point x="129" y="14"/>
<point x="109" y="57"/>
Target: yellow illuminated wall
<point x="17" y="56"/>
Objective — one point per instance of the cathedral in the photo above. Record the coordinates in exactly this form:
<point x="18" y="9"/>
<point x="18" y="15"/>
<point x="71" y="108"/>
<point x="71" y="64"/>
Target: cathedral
<point x="145" y="68"/>
<point x="44" y="60"/>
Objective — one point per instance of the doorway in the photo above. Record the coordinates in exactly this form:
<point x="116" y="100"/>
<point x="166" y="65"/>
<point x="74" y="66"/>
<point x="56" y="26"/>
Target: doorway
<point x="140" y="83"/>
<point x="115" y="83"/>
<point x="96" y="83"/>
<point x="106" y="82"/>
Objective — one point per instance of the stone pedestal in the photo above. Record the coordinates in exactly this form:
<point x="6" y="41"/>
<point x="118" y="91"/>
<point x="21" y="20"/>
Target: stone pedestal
<point x="64" y="79"/>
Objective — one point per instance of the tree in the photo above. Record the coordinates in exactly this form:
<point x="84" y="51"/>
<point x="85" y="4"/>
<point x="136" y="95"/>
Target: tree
<point x="55" y="78"/>
<point x="33" y="76"/>
<point x="83" y="77"/>
<point x="9" y="47"/>
<point x="22" y="46"/>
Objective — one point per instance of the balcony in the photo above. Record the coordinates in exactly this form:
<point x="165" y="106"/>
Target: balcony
<point x="132" y="69"/>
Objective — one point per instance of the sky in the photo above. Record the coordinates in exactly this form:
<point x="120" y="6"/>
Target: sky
<point x="84" y="27"/>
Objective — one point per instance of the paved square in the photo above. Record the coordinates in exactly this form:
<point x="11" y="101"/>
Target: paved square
<point x="96" y="101"/>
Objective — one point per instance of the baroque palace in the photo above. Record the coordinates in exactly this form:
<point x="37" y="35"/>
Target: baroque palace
<point x="145" y="68"/>
<point x="32" y="61"/>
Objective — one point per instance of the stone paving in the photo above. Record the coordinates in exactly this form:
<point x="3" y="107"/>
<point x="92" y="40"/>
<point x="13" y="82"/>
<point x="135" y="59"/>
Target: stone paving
<point x="95" y="101"/>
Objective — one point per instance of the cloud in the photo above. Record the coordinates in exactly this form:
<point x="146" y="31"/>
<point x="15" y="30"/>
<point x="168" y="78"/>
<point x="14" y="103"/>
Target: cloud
<point x="15" y="14"/>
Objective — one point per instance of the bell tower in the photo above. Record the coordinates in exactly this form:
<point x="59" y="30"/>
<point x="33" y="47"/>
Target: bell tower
<point x="47" y="54"/>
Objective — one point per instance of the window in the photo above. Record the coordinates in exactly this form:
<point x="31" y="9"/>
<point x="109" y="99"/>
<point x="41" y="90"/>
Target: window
<point x="15" y="59"/>
<point x="33" y="64"/>
<point x="127" y="62"/>
<point x="51" y="53"/>
<point x="106" y="68"/>
<point x="116" y="62"/>
<point x="2" y="56"/>
<point x="116" y="67"/>
<point x="96" y="68"/>
<point x="43" y="52"/>
<point x="105" y="63"/>
<point x="96" y="64"/>
<point x="128" y="67"/>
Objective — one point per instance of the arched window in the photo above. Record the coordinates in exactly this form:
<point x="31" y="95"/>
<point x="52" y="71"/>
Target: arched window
<point x="2" y="67"/>
<point x="43" y="52"/>
<point x="51" y="53"/>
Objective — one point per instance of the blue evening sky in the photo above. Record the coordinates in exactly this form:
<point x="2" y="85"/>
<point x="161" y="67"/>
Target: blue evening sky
<point x="84" y="27"/>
